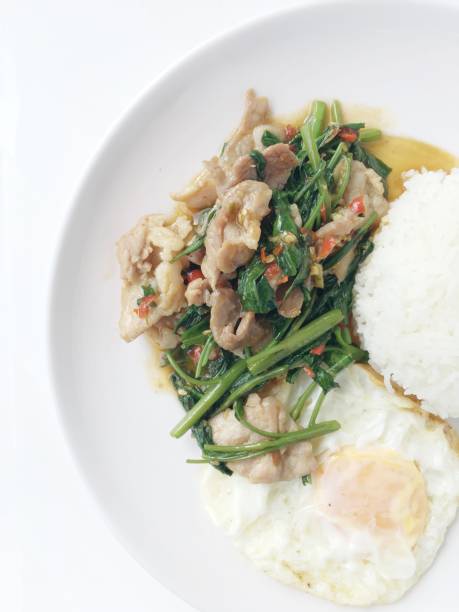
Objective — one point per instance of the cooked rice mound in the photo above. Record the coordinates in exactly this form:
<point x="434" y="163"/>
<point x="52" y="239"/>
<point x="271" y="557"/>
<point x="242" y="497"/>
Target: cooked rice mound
<point x="406" y="303"/>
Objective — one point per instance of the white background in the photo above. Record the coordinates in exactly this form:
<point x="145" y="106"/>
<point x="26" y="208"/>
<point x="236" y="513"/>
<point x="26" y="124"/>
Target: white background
<point x="69" y="69"/>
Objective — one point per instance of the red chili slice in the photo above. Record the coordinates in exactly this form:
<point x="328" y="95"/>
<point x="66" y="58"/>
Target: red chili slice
<point x="318" y="350"/>
<point x="194" y="274"/>
<point x="272" y="271"/>
<point x="144" y="306"/>
<point x="290" y="132"/>
<point x="358" y="205"/>
<point x="347" y="134"/>
<point x="326" y="247"/>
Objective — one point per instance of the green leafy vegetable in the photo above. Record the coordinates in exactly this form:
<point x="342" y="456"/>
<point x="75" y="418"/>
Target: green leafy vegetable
<point x="260" y="163"/>
<point x="254" y="289"/>
<point x="217" y="367"/>
<point x="148" y="290"/>
<point x="192" y="316"/>
<point x="214" y="452"/>
<point x="319" y="339"/>
<point x="269" y="139"/>
<point x="202" y="432"/>
<point x="205" y="218"/>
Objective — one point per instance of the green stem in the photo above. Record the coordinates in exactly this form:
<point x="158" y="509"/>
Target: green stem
<point x="310" y="332"/>
<point x="218" y="388"/>
<point x="280" y="334"/>
<point x="317" y="407"/>
<point x="186" y="377"/>
<point x="307" y="134"/>
<point x="336" y="112"/>
<point x="214" y="452"/>
<point x="298" y="322"/>
<point x="310" y="144"/>
<point x="309" y="183"/>
<point x="315" y="213"/>
<point x="369" y="134"/>
<point x="343" y="181"/>
<point x="298" y="407"/>
<point x="336" y="157"/>
<point x="194" y="246"/>
<point x="340" y="365"/>
<point x="251" y="383"/>
<point x="354" y="352"/>
<point x="240" y="415"/>
<point x="204" y="356"/>
<point x="317" y="116"/>
<point x="193" y="335"/>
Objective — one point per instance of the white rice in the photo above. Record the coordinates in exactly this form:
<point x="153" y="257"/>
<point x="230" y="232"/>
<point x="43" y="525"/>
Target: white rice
<point x="406" y="302"/>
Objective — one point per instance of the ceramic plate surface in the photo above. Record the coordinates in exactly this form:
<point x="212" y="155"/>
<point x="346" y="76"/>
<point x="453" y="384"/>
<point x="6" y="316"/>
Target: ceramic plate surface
<point x="399" y="57"/>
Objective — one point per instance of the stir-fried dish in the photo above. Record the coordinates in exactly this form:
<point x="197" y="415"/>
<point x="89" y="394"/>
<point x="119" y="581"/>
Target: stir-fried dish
<point x="248" y="286"/>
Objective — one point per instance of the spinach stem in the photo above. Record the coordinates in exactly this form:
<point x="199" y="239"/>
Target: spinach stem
<point x="336" y="112"/>
<point x="204" y="356"/>
<point x="336" y="157"/>
<point x="317" y="116"/>
<point x="369" y="134"/>
<point x="194" y="246"/>
<point x="257" y="364"/>
<point x="309" y="183"/>
<point x="240" y="415"/>
<point x="310" y="332"/>
<point x="298" y="322"/>
<point x="343" y="180"/>
<point x="298" y="407"/>
<point x="315" y="213"/>
<point x="317" y="407"/>
<point x="186" y="377"/>
<point x="251" y="383"/>
<point x="309" y="132"/>
<point x="214" y="393"/>
<point x="215" y="452"/>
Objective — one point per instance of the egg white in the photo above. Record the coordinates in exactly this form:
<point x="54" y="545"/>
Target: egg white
<point x="281" y="529"/>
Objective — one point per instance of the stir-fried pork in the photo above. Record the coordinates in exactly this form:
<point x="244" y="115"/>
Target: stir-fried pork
<point x="291" y="305"/>
<point x="231" y="328"/>
<point x="219" y="174"/>
<point x="280" y="161"/>
<point x="241" y="142"/>
<point x="267" y="414"/>
<point x="163" y="333"/>
<point x="365" y="182"/>
<point x="169" y="298"/>
<point x="200" y="193"/>
<point x="198" y="292"/>
<point x="233" y="234"/>
<point x="244" y="169"/>
<point x="144" y="254"/>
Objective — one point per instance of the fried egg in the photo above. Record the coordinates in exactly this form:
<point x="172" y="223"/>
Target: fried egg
<point x="375" y="513"/>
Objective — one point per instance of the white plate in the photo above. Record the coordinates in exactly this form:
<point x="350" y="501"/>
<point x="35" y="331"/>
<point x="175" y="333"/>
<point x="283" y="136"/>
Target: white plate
<point x="400" y="57"/>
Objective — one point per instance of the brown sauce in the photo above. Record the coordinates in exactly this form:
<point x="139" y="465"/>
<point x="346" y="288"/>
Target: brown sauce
<point x="403" y="154"/>
<point x="158" y="376"/>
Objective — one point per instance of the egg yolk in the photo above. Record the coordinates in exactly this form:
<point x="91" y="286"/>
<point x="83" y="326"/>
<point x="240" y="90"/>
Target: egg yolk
<point x="375" y="489"/>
